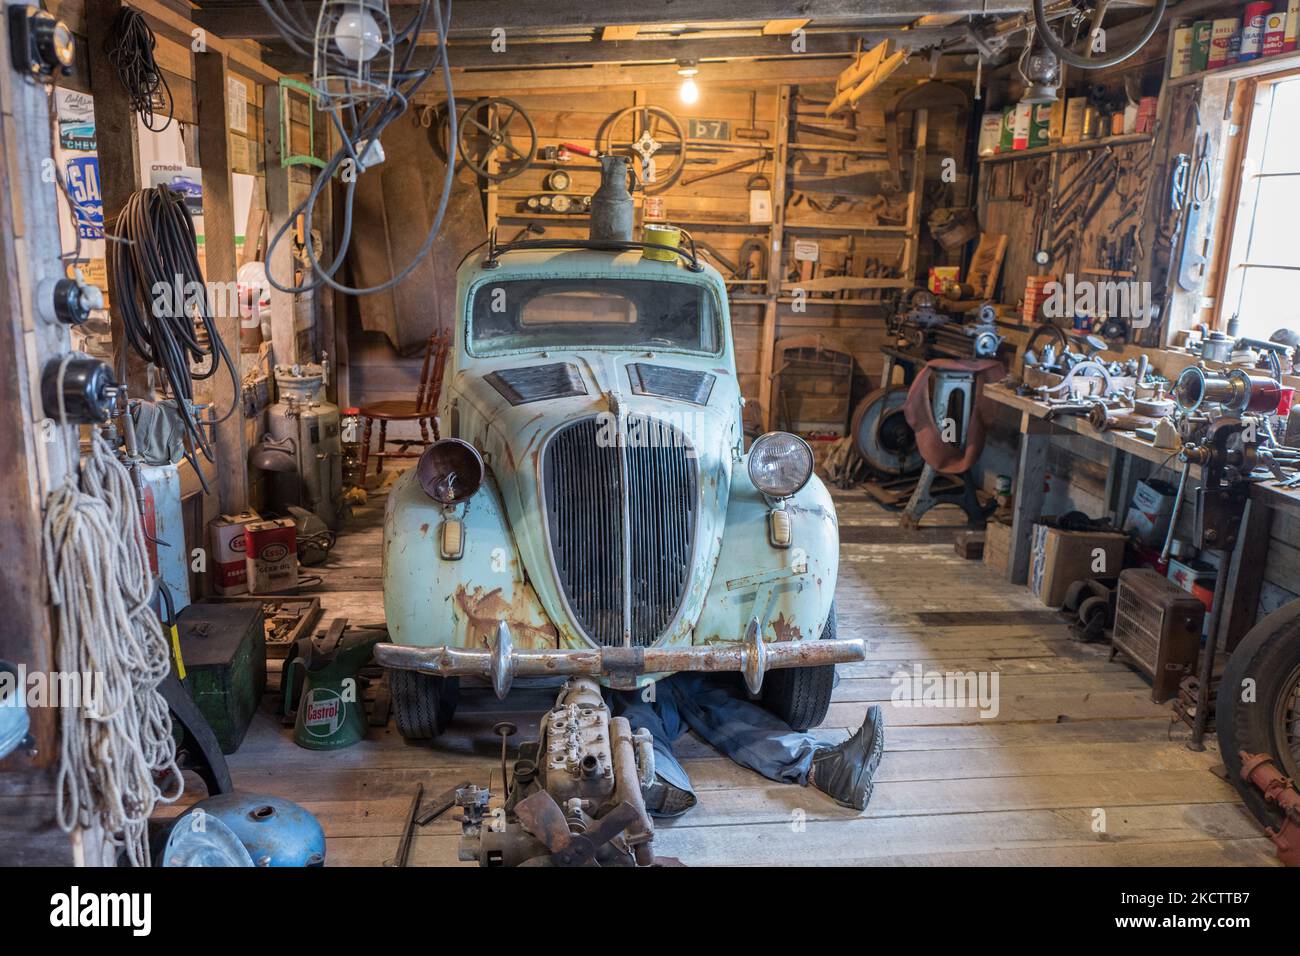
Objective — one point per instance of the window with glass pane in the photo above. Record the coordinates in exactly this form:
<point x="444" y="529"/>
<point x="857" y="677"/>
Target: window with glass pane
<point x="1264" y="265"/>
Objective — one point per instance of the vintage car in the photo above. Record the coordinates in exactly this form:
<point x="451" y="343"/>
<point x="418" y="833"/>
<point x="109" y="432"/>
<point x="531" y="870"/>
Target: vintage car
<point x="591" y="508"/>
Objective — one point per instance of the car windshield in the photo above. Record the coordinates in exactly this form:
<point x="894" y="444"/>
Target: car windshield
<point x="516" y="314"/>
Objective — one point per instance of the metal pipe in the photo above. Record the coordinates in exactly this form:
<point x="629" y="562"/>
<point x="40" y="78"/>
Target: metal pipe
<point x="1173" y="515"/>
<point x="1197" y="742"/>
<point x="627" y="789"/>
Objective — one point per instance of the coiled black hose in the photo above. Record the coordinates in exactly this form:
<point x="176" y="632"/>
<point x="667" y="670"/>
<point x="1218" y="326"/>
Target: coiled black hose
<point x="130" y="47"/>
<point x="158" y="290"/>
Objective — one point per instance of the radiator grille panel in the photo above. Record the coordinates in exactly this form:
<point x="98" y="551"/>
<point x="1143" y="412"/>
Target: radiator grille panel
<point x="586" y="486"/>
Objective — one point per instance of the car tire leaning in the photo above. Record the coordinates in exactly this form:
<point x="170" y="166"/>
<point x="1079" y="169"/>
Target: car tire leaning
<point x="1268" y="656"/>
<point x="423" y="704"/>
<point x="801" y="695"/>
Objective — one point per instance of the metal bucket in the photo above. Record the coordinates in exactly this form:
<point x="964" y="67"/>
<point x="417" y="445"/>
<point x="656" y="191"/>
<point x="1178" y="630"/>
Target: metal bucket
<point x="662" y="235"/>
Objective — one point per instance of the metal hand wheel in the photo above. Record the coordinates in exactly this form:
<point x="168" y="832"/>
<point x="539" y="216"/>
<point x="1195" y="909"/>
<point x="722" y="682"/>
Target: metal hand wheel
<point x="649" y="132"/>
<point x="488" y="125"/>
<point x="1093" y="15"/>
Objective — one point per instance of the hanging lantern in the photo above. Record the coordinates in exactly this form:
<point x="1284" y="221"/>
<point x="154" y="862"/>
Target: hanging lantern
<point x="1041" y="71"/>
<point x="353" y="53"/>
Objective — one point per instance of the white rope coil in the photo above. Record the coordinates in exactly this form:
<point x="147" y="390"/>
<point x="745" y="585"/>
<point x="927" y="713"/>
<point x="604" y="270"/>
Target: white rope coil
<point x="115" y="751"/>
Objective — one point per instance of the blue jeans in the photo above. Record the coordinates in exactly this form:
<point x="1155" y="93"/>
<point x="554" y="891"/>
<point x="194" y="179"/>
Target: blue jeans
<point x="717" y="709"/>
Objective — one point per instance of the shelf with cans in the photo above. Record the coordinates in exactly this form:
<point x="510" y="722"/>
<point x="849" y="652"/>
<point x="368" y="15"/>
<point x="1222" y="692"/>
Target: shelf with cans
<point x="1259" y="37"/>
<point x="1071" y="122"/>
<point x="1047" y="150"/>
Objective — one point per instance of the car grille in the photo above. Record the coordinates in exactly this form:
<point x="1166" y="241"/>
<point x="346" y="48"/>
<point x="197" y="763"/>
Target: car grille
<point x="587" y="481"/>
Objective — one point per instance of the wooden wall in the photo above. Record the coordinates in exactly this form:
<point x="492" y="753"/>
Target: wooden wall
<point x="716" y="210"/>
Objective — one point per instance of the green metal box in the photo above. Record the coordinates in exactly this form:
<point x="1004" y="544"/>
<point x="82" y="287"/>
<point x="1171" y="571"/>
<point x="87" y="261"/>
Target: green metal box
<point x="224" y="648"/>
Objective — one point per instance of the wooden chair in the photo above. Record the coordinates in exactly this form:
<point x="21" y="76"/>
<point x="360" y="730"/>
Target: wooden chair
<point x="421" y="410"/>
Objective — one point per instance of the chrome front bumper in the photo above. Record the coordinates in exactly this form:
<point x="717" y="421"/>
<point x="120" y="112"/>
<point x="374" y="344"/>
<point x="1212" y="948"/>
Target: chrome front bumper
<point x="621" y="666"/>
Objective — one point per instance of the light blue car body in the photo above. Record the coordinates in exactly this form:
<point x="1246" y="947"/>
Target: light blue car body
<point x="506" y="573"/>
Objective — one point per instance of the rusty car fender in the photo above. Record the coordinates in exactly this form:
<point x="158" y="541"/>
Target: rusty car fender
<point x="789" y="590"/>
<point x="431" y="601"/>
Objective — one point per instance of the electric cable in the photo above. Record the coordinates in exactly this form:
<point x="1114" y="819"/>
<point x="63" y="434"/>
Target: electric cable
<point x="115" y="742"/>
<point x="366" y="128"/>
<point x="130" y="45"/>
<point x="159" y="291"/>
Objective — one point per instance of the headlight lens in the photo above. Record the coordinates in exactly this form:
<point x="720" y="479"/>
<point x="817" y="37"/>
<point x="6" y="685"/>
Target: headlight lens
<point x="450" y="471"/>
<point x="780" y="464"/>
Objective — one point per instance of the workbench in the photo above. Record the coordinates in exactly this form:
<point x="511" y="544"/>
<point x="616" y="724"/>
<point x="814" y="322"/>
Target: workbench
<point x="1131" y="459"/>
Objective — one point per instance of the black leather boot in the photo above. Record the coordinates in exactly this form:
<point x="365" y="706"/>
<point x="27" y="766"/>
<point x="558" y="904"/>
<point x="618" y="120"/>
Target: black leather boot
<point x="844" y="773"/>
<point x="664" y="801"/>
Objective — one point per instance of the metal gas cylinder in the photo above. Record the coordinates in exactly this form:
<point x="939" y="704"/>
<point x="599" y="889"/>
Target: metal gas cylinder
<point x="304" y="417"/>
<point x="611" y="206"/>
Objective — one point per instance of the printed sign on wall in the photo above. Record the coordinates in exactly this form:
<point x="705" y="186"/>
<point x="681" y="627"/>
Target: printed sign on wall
<point x="82" y="177"/>
<point x="76" y="114"/>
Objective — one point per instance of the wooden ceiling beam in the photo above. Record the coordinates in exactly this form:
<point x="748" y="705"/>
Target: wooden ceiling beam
<point x="239" y="57"/>
<point x="783" y="28"/>
<point x="737" y="75"/>
<point x="245" y="19"/>
<point x="626" y="32"/>
<point x="465" y="56"/>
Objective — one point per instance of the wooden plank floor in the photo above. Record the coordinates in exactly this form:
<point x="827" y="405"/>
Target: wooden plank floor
<point x="1077" y="768"/>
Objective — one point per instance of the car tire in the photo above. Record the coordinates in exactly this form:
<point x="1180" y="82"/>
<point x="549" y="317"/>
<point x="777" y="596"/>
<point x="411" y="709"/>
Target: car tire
<point x="801" y="695"/>
<point x="1269" y="655"/>
<point x="423" y="705"/>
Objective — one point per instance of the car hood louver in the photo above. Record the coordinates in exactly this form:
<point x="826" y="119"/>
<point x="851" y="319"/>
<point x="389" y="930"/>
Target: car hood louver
<point x="687" y="385"/>
<point x="534" y="383"/>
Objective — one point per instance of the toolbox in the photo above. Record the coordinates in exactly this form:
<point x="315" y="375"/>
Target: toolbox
<point x="223" y="646"/>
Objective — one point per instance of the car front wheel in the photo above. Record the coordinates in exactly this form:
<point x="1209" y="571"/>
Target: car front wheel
<point x="423" y="704"/>
<point x="801" y="695"/>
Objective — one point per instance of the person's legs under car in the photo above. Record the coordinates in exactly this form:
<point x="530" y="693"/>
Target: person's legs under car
<point x="671" y="795"/>
<point x="718" y="709"/>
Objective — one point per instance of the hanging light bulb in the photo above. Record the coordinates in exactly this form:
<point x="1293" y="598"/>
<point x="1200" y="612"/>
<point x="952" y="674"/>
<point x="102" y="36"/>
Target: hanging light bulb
<point x="357" y="34"/>
<point x="352" y="59"/>
<point x="689" y="92"/>
<point x="1041" y="71"/>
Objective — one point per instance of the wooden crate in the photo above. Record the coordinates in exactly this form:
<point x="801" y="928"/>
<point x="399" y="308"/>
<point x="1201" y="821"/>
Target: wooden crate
<point x="997" y="547"/>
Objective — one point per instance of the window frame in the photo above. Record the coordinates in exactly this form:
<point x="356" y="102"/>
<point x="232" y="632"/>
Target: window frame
<point x="1244" y="186"/>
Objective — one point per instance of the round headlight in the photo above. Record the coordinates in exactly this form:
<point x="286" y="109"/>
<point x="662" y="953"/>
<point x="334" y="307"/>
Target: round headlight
<point x="780" y="464"/>
<point x="450" y="471"/>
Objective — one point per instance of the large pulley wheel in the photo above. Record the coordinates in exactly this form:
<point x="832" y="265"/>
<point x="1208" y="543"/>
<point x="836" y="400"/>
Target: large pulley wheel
<point x="651" y="133"/>
<point x="882" y="435"/>
<point x="1258" y="709"/>
<point x="1086" y="59"/>
<point x="492" y="124"/>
